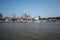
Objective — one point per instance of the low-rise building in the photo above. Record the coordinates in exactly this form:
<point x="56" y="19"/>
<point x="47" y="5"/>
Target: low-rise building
<point x="8" y="19"/>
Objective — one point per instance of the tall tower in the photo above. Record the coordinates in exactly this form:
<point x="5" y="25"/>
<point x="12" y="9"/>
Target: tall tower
<point x="1" y="16"/>
<point x="39" y="17"/>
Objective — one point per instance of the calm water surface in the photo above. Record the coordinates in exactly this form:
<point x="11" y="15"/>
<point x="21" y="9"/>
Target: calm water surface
<point x="30" y="31"/>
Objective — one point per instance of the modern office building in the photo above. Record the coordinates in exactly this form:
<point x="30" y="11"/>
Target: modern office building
<point x="1" y="16"/>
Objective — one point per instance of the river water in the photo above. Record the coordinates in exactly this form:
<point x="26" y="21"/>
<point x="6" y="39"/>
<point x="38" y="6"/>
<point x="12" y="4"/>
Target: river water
<point x="30" y="31"/>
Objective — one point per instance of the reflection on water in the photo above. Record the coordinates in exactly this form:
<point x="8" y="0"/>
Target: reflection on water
<point x="30" y="31"/>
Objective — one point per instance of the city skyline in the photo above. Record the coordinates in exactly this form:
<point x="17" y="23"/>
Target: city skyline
<point x="35" y="8"/>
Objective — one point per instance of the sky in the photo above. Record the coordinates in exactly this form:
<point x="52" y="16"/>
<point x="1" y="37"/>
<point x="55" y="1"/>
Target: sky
<point x="35" y="8"/>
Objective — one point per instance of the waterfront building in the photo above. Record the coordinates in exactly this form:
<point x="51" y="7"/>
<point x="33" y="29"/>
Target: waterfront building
<point x="18" y="19"/>
<point x="26" y="18"/>
<point x="36" y="19"/>
<point x="8" y="19"/>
